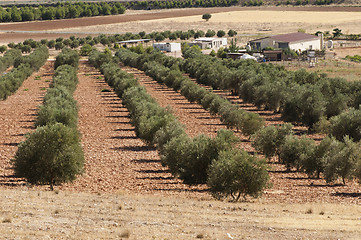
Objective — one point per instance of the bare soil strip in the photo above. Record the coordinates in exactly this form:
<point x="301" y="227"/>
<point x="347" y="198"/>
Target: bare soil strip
<point x="287" y="186"/>
<point x="17" y="115"/>
<point x="117" y="160"/>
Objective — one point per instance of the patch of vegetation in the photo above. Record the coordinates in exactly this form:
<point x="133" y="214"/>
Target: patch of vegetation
<point x="52" y="154"/>
<point x="355" y="58"/>
<point x="59" y="11"/>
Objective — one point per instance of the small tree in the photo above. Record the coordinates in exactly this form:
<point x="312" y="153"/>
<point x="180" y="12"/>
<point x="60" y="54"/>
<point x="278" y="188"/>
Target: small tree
<point x="206" y="16"/>
<point x="85" y="50"/>
<point x="50" y="155"/>
<point x="336" y="32"/>
<point x="268" y="140"/>
<point x="221" y="33"/>
<point x="210" y="33"/>
<point x="232" y="33"/>
<point x="236" y="174"/>
<point x="342" y="159"/>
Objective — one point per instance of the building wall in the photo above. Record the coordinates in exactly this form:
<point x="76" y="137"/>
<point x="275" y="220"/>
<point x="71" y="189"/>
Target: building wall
<point x="169" y="47"/>
<point x="316" y="45"/>
<point x="269" y="42"/>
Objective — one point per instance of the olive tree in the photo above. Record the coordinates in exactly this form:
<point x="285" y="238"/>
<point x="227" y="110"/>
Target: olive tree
<point x="50" y="155"/>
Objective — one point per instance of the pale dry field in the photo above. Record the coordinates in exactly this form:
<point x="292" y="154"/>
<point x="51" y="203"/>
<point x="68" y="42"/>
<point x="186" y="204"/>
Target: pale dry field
<point x="248" y="22"/>
<point x="34" y="214"/>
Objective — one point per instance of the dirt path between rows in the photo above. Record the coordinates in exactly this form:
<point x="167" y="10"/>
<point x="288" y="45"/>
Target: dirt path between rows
<point x="17" y="115"/>
<point x="287" y="186"/>
<point x="115" y="159"/>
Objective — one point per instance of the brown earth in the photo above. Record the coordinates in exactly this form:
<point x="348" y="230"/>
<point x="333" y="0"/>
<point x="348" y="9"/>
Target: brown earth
<point x="119" y="165"/>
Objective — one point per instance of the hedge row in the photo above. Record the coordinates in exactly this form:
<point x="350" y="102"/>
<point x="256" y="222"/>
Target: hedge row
<point x="52" y="154"/>
<point x="59" y="11"/>
<point x="230" y="114"/>
<point x="23" y="68"/>
<point x="300" y="96"/>
<point x="195" y="161"/>
<point x="8" y="59"/>
<point x="330" y="157"/>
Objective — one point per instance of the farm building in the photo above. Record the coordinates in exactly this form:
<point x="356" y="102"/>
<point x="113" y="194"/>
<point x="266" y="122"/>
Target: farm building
<point x="295" y="41"/>
<point x="207" y="42"/>
<point x="135" y="42"/>
<point x="168" y="47"/>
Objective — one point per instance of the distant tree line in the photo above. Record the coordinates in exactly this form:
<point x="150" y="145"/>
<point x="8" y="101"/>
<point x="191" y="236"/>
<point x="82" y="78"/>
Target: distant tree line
<point x="59" y="11"/>
<point x="179" y="4"/>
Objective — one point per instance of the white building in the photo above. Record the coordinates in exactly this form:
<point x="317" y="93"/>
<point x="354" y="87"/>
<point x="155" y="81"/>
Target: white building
<point x="208" y="42"/>
<point x="295" y="41"/>
<point x="168" y="47"/>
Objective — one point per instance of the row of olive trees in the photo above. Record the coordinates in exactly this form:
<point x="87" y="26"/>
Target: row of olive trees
<point x="8" y="59"/>
<point x="60" y="11"/>
<point x="230" y="114"/>
<point x="299" y="96"/>
<point x="23" y="68"/>
<point x="302" y="154"/>
<point x="111" y="40"/>
<point x="334" y="159"/>
<point x="196" y="161"/>
<point x="52" y="154"/>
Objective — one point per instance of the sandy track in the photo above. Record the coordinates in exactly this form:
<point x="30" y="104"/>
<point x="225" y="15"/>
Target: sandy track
<point x="116" y="160"/>
<point x="17" y="114"/>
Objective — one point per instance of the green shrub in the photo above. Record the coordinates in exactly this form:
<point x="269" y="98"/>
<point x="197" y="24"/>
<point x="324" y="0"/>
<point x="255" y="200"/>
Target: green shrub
<point x="237" y="174"/>
<point x="50" y="155"/>
<point x="342" y="160"/>
<point x="347" y="123"/>
<point x="269" y="140"/>
<point x="313" y="163"/>
<point x="171" y="130"/>
<point x="67" y="56"/>
<point x="251" y="123"/>
<point x="206" y="16"/>
<point x="295" y="150"/>
<point x="86" y="49"/>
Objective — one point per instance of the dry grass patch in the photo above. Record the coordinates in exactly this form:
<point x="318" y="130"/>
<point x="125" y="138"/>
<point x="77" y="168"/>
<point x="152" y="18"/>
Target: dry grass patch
<point x="83" y="216"/>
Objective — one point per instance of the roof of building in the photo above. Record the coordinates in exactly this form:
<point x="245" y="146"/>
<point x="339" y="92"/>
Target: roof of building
<point x="166" y="43"/>
<point x="294" y="37"/>
<point x="290" y="37"/>
<point x="135" y="41"/>
<point x="207" y="39"/>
